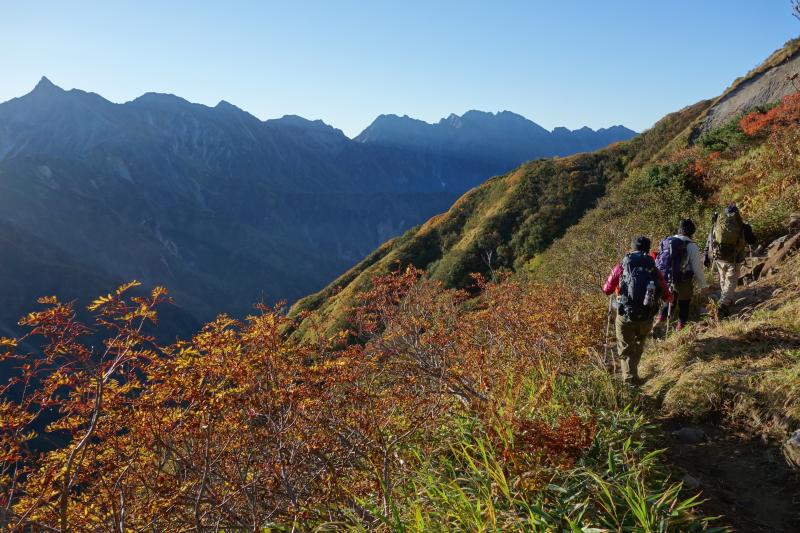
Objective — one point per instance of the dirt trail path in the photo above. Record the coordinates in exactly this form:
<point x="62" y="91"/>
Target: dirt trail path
<point x="745" y="481"/>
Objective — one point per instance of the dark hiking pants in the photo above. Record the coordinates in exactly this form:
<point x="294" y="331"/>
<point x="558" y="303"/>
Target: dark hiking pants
<point x="631" y="337"/>
<point x="683" y="295"/>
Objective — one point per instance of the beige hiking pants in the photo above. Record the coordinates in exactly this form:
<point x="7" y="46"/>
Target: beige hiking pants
<point x="728" y="280"/>
<point x="631" y="337"/>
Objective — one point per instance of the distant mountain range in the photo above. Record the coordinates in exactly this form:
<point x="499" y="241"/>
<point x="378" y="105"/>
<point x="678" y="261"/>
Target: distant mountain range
<point x="496" y="137"/>
<point x="221" y="207"/>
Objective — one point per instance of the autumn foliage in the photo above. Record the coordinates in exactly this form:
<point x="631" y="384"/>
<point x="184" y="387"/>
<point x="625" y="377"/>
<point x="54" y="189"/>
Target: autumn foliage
<point x="240" y="428"/>
<point x="784" y="115"/>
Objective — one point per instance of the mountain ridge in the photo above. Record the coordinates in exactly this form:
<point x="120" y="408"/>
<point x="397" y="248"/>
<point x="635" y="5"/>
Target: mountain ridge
<point x="220" y="206"/>
<point x="45" y="86"/>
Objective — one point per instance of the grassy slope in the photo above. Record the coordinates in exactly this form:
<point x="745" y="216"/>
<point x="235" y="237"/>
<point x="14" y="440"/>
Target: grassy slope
<point x="744" y="371"/>
<point x="516" y="216"/>
<point x="656" y="193"/>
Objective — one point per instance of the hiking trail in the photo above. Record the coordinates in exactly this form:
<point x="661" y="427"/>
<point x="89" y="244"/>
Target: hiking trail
<point x="741" y="473"/>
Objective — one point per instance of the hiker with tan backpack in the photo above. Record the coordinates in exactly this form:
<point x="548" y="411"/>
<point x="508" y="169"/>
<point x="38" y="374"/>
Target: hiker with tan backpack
<point x="730" y="237"/>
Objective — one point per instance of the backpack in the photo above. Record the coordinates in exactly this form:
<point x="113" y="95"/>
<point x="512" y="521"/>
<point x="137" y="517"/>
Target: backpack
<point x="638" y="270"/>
<point x="728" y="238"/>
<point x="747" y="233"/>
<point x="671" y="256"/>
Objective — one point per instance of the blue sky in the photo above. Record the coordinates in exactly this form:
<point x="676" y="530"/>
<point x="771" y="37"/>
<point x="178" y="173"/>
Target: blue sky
<point x="570" y="63"/>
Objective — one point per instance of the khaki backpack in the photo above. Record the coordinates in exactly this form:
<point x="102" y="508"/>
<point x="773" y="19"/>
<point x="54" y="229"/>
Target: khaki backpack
<point x="729" y="236"/>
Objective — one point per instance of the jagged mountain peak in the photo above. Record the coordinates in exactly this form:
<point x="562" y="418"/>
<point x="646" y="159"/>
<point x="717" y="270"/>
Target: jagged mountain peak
<point x="297" y="120"/>
<point x="495" y="133"/>
<point x="392" y="118"/>
<point x="225" y="105"/>
<point x="46" y="89"/>
<point x="45" y="85"/>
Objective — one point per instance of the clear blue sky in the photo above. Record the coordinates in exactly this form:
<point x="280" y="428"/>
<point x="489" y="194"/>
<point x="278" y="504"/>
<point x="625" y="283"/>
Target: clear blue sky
<point x="570" y="63"/>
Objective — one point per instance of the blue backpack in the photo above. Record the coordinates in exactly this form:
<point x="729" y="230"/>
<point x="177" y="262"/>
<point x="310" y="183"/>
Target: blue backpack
<point x="671" y="255"/>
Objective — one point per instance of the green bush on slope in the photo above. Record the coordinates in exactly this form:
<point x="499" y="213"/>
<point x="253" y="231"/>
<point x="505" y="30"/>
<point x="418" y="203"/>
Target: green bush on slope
<point x="650" y="202"/>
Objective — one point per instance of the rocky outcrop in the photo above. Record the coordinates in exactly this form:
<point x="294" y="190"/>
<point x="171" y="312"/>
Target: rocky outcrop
<point x="766" y="261"/>
<point x="762" y="88"/>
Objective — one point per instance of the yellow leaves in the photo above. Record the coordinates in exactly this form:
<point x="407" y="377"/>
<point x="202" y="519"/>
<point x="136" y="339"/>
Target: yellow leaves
<point x="127" y="286"/>
<point x="100" y="302"/>
<point x="8" y="342"/>
<point x="158" y="292"/>
<point x="48" y="300"/>
<point x="103" y="301"/>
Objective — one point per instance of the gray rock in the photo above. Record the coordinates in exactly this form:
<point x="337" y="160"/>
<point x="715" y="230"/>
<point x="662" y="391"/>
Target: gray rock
<point x="777" y="243"/>
<point x="689" y="435"/>
<point x="691" y="482"/>
<point x="791" y="450"/>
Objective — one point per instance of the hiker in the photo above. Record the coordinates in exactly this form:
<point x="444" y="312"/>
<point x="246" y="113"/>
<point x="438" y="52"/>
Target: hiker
<point x="731" y="235"/>
<point x="639" y="286"/>
<point x="680" y="263"/>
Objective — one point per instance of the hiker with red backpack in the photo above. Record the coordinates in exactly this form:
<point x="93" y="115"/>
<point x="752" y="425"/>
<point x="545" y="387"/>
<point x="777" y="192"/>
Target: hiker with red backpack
<point x="679" y="261"/>
<point x="639" y="286"/>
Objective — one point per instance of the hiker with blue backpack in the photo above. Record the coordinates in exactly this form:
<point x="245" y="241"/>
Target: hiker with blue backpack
<point x="639" y="287"/>
<point x="680" y="262"/>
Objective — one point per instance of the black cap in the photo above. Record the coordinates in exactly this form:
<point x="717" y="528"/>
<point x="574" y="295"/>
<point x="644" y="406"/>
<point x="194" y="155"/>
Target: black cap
<point x="641" y="244"/>
<point x="686" y="227"/>
<point x="731" y="208"/>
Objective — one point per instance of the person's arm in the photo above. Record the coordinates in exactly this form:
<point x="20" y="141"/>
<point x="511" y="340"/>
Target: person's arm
<point x="696" y="264"/>
<point x="666" y="295"/>
<point x="613" y="279"/>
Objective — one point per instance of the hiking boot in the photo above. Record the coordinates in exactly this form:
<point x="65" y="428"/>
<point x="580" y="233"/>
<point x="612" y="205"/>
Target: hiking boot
<point x="633" y="382"/>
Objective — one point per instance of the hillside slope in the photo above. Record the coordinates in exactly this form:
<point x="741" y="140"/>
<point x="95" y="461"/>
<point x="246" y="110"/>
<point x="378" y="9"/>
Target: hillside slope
<point x="738" y="382"/>
<point x="483" y="409"/>
<point x="501" y="224"/>
<point x="510" y="222"/>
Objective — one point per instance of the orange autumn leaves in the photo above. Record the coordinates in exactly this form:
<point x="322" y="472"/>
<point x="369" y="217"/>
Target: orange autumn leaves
<point x="241" y="428"/>
<point x="785" y="114"/>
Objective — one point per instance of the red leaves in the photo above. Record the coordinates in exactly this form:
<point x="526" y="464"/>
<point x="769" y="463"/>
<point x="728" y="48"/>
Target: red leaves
<point x="536" y="441"/>
<point x="785" y="114"/>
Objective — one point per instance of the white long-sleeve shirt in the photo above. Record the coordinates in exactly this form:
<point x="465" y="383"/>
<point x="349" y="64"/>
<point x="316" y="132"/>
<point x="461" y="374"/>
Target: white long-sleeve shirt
<point x="693" y="262"/>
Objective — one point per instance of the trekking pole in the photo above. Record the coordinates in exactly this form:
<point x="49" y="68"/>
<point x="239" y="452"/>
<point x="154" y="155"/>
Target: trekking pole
<point x="669" y="309"/>
<point x="669" y="314"/>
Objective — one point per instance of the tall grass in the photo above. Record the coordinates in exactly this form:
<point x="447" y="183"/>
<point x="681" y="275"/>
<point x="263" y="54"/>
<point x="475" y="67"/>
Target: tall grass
<point x="472" y="484"/>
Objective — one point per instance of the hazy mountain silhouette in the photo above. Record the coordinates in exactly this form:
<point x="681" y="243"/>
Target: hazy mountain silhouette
<point x="221" y="207"/>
